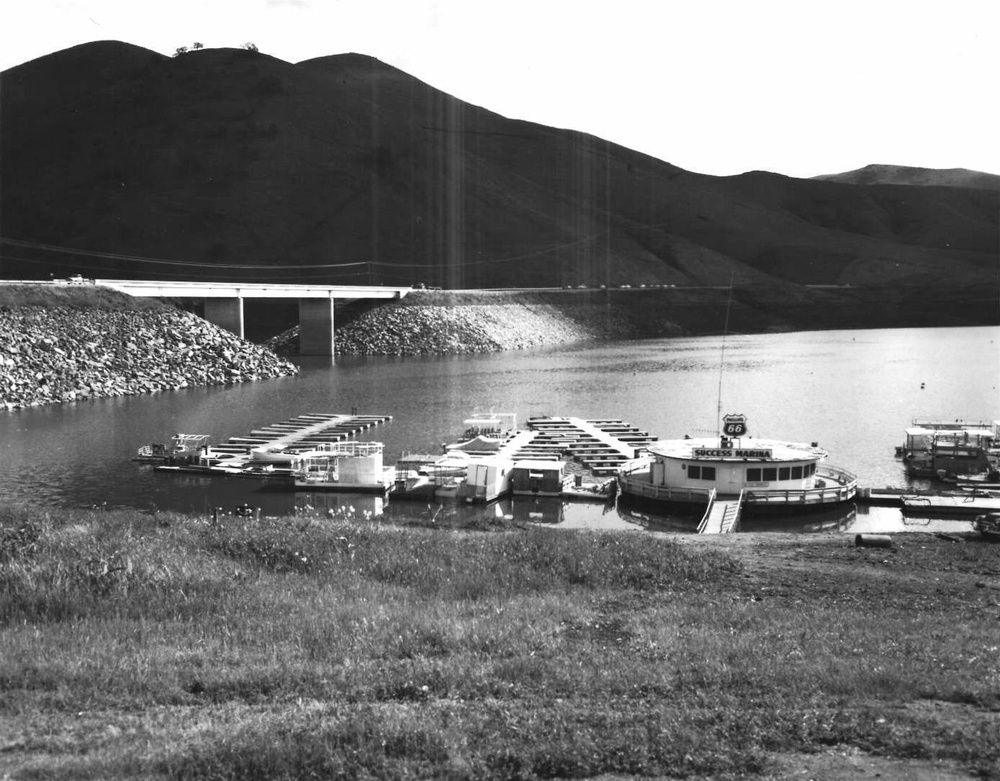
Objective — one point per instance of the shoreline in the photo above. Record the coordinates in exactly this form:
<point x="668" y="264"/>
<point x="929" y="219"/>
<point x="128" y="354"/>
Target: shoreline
<point x="68" y="344"/>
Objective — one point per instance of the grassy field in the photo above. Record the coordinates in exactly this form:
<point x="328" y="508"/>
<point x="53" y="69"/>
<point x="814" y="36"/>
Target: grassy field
<point x="168" y="646"/>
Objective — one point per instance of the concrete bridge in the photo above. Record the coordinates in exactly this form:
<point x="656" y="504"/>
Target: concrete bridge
<point x="224" y="303"/>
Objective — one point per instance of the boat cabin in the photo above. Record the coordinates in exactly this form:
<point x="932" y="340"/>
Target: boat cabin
<point x="732" y="465"/>
<point x="343" y="466"/>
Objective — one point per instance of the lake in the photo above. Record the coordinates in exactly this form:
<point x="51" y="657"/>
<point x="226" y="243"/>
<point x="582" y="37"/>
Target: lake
<point x="852" y="391"/>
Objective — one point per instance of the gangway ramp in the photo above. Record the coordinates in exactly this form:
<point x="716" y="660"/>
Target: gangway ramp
<point x="722" y="515"/>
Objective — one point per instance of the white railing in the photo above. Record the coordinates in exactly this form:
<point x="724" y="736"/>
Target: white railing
<point x="635" y="484"/>
<point x="708" y="512"/>
<point x="349" y="448"/>
<point x="837" y="485"/>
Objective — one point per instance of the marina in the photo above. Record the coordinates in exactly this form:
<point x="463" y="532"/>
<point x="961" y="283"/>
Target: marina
<point x="724" y="477"/>
<point x="803" y="386"/>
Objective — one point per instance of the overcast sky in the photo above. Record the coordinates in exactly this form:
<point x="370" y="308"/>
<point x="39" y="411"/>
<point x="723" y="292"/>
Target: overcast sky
<point x="798" y="87"/>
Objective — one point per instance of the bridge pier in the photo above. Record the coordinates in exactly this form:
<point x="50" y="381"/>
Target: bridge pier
<point x="224" y="303"/>
<point x="316" y="326"/>
<point x="226" y="313"/>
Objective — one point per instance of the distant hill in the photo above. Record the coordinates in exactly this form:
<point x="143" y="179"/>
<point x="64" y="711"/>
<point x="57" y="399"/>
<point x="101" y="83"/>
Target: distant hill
<point x="230" y="164"/>
<point x="902" y="174"/>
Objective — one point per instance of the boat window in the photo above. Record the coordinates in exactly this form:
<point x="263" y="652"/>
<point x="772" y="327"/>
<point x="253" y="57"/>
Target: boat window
<point x="812" y="469"/>
<point x="708" y="473"/>
<point x="770" y="474"/>
<point x="796" y="473"/>
<point x="694" y="472"/>
<point x="784" y="473"/>
<point x="753" y="475"/>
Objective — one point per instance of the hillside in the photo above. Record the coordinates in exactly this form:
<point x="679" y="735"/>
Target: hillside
<point x="226" y="163"/>
<point x="902" y="174"/>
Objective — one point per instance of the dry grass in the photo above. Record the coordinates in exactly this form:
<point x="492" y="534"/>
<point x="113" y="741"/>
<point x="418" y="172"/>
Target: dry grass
<point x="71" y="297"/>
<point x="136" y="646"/>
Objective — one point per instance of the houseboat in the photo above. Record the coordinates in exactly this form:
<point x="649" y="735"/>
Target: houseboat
<point x="755" y="474"/>
<point x="343" y="466"/>
<point x="949" y="450"/>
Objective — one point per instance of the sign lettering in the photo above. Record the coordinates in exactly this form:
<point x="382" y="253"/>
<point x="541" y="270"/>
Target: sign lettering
<point x="704" y="452"/>
<point x="734" y="425"/>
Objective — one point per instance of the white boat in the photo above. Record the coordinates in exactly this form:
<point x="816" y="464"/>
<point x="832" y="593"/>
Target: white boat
<point x="343" y="466"/>
<point x="182" y="447"/>
<point x="756" y="474"/>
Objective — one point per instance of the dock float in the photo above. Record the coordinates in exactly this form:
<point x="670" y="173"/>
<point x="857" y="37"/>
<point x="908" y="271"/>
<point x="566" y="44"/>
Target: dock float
<point x="240" y="455"/>
<point x="303" y="432"/>
<point x="601" y="445"/>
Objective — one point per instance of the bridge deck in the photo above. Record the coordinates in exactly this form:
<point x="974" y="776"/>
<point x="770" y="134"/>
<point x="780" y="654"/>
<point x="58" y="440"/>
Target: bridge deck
<point x="173" y="289"/>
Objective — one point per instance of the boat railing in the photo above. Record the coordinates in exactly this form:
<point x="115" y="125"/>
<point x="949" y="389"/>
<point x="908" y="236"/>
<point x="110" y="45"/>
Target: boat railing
<point x="640" y="486"/>
<point x="708" y="511"/>
<point x="349" y="448"/>
<point x="838" y="485"/>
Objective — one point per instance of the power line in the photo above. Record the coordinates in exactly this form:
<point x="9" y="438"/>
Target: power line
<point x="161" y="261"/>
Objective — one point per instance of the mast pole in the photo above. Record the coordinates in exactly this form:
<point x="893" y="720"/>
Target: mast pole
<point x="722" y="358"/>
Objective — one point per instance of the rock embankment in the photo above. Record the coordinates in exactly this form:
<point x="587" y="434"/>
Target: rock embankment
<point x="435" y="328"/>
<point x="64" y="354"/>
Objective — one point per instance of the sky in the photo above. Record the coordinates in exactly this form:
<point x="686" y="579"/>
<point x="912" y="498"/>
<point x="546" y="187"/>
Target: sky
<point x="797" y="87"/>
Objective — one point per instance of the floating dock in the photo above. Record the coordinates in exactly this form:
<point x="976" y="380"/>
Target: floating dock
<point x="602" y="445"/>
<point x="303" y="432"/>
<point x="292" y="437"/>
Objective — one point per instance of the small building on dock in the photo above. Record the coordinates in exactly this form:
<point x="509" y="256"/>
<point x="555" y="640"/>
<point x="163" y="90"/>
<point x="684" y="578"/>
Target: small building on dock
<point x="487" y="479"/>
<point x="537" y="477"/>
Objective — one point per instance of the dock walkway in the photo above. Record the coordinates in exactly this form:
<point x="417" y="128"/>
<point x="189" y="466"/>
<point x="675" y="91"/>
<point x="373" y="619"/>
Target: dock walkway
<point x="303" y="432"/>
<point x="602" y="445"/>
<point x="722" y="515"/>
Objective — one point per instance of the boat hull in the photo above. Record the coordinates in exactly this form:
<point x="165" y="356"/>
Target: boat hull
<point x="832" y="493"/>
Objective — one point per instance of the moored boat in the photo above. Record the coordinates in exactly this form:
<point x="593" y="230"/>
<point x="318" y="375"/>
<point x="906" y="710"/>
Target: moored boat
<point x="759" y="474"/>
<point x="344" y="466"/>
<point x="951" y="450"/>
<point x="988" y="526"/>
<point x="182" y="448"/>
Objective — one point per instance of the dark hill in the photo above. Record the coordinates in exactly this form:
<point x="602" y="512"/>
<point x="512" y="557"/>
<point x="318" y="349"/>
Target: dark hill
<point x="902" y="174"/>
<point x="232" y="164"/>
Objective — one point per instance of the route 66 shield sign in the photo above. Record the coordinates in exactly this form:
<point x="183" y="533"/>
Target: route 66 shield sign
<point x="734" y="425"/>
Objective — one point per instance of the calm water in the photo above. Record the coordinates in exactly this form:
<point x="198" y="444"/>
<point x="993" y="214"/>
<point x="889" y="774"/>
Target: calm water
<point x="852" y="391"/>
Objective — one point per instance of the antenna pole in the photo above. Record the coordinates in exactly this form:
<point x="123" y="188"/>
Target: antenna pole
<point x="722" y="358"/>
